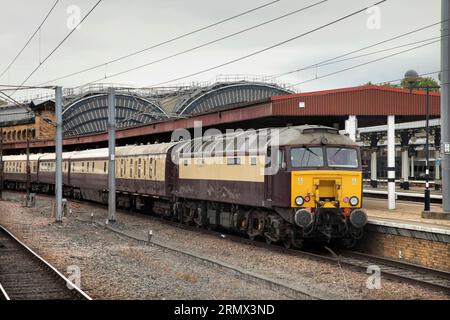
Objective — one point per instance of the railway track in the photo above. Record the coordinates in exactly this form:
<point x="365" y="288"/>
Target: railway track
<point x="392" y="269"/>
<point x="432" y="278"/>
<point x="26" y="276"/>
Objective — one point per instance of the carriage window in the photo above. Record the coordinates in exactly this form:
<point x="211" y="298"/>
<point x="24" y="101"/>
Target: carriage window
<point x="233" y="161"/>
<point x="131" y="168"/>
<point x="307" y="157"/>
<point x="139" y="167"/>
<point x="342" y="157"/>
<point x="145" y="168"/>
<point x="104" y="166"/>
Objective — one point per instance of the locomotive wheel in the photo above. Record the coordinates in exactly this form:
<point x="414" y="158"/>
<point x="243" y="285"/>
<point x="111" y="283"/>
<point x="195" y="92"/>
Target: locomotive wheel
<point x="268" y="241"/>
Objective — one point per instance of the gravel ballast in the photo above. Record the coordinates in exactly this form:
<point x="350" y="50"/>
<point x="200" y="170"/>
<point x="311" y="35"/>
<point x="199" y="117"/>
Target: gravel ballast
<point x="117" y="267"/>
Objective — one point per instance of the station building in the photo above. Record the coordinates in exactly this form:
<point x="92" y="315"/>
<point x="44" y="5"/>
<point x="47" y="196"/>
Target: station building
<point x="34" y="120"/>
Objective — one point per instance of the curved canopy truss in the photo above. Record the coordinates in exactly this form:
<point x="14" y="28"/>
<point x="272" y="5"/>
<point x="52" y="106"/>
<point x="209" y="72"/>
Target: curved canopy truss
<point x="228" y="94"/>
<point x="90" y="113"/>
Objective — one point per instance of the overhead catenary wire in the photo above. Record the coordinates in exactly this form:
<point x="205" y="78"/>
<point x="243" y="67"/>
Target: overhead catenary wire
<point x="272" y="46"/>
<point x="366" y="63"/>
<point x="154" y="46"/>
<point x="400" y="79"/>
<point x="15" y="102"/>
<point x="359" y="50"/>
<point x="11" y="87"/>
<point x="38" y="29"/>
<point x="364" y="55"/>
<point x="211" y="42"/>
<point x="61" y="42"/>
<point x="367" y="54"/>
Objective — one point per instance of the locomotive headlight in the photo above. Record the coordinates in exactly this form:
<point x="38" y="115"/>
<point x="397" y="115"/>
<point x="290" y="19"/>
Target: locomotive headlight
<point x="354" y="201"/>
<point x="299" y="201"/>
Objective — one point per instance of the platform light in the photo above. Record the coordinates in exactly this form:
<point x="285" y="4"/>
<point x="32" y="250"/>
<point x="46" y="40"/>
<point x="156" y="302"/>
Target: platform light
<point x="413" y="78"/>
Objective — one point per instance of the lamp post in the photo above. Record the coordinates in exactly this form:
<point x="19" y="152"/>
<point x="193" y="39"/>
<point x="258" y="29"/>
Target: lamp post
<point x="412" y="77"/>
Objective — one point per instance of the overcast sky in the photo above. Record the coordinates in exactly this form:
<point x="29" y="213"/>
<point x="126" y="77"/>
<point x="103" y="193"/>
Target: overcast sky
<point x="118" y="27"/>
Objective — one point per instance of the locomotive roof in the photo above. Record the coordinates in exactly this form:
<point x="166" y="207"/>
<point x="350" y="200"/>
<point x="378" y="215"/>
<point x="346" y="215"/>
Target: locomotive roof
<point x="307" y="134"/>
<point x="256" y="141"/>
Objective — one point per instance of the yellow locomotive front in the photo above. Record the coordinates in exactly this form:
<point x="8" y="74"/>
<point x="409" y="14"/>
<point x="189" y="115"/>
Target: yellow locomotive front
<point x="326" y="191"/>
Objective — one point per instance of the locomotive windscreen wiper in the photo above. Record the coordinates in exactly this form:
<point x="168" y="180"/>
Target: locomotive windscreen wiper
<point x="339" y="150"/>
<point x="309" y="150"/>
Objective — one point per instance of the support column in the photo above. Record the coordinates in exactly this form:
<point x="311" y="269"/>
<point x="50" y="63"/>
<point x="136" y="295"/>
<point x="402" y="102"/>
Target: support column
<point x="405" y="169"/>
<point x="112" y="155"/>
<point x="58" y="147"/>
<point x="445" y="106"/>
<point x="405" y="136"/>
<point x="351" y="125"/>
<point x="373" y="169"/>
<point x="412" y="173"/>
<point x="437" y="170"/>
<point x="374" y="138"/>
<point x="28" y="170"/>
<point x="391" y="161"/>
<point x="437" y="157"/>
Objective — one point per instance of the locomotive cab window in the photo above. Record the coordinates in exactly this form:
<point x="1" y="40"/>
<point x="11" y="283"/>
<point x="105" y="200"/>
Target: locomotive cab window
<point x="307" y="157"/>
<point x="342" y="157"/>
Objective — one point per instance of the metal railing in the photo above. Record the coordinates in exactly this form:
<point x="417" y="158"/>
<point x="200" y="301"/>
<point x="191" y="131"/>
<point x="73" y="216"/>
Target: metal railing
<point x="73" y="93"/>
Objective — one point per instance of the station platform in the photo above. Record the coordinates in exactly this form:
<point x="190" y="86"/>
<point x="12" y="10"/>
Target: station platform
<point x="403" y="234"/>
<point x="414" y="193"/>
<point x="406" y="212"/>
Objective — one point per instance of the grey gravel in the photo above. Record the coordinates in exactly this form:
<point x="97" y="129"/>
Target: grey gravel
<point x="121" y="263"/>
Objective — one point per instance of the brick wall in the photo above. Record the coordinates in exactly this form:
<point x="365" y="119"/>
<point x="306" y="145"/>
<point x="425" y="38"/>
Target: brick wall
<point x="433" y="254"/>
<point x="38" y="131"/>
<point x="45" y="130"/>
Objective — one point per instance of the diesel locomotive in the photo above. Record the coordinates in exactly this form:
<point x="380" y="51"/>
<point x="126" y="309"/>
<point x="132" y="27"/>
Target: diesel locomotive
<point x="283" y="184"/>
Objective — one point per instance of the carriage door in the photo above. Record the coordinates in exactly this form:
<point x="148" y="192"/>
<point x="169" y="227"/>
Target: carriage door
<point x="268" y="178"/>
